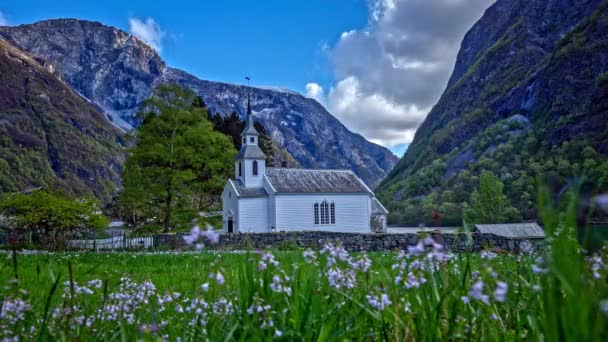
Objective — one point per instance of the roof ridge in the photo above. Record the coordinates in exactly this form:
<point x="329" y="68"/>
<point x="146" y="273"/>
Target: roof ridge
<point x="302" y="169"/>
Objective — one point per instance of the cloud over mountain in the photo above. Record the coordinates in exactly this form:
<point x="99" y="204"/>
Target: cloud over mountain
<point x="3" y="20"/>
<point x="390" y="73"/>
<point x="148" y="31"/>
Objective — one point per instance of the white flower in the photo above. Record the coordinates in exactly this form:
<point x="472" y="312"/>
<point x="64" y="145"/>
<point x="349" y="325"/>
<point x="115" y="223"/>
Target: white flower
<point x="500" y="294"/>
<point x="278" y="333"/>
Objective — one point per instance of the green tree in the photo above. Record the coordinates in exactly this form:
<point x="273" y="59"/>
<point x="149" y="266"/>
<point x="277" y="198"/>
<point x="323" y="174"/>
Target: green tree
<point x="178" y="160"/>
<point x="489" y="204"/>
<point x="52" y="217"/>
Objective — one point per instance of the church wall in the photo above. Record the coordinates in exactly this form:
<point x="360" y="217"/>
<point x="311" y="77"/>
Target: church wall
<point x="296" y="212"/>
<point x="254" y="214"/>
<point x="229" y="205"/>
<point x="271" y="204"/>
<point x="248" y="178"/>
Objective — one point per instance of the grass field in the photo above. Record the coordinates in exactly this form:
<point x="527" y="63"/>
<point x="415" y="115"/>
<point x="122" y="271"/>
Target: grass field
<point x="327" y="295"/>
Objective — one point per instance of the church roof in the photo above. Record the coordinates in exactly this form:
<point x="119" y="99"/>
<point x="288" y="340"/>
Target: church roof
<point x="378" y="208"/>
<point x="242" y="191"/>
<point x="513" y="230"/>
<point x="250" y="152"/>
<point x="315" y="181"/>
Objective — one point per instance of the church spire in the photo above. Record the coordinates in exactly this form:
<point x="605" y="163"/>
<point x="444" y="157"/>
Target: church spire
<point x="249" y="126"/>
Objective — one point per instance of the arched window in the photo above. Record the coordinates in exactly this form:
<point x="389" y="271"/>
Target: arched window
<point x="325" y="213"/>
<point x="240" y="169"/>
<point x="255" y="167"/>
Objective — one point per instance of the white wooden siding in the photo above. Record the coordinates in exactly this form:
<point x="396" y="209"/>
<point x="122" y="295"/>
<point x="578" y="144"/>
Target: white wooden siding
<point x="271" y="204"/>
<point x="229" y="204"/>
<point x="295" y="212"/>
<point x="254" y="215"/>
<point x="247" y="177"/>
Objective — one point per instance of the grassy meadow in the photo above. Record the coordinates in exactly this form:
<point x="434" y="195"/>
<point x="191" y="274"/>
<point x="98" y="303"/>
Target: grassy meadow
<point x="423" y="293"/>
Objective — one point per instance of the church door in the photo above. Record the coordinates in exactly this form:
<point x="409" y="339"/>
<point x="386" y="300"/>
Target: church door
<point x="230" y="224"/>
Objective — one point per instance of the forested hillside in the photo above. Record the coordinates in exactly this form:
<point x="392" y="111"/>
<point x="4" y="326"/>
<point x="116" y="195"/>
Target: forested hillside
<point x="50" y="136"/>
<point x="528" y="100"/>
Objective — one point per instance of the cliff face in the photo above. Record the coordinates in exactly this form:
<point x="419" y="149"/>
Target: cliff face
<point x="117" y="72"/>
<point x="50" y="136"/>
<point x="529" y="91"/>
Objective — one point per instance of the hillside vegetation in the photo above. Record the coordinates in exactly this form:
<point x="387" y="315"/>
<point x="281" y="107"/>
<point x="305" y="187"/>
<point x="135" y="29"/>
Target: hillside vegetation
<point x="528" y="100"/>
<point x="50" y="136"/>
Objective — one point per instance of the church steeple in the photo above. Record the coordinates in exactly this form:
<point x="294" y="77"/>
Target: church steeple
<point x="250" y="161"/>
<point x="249" y="126"/>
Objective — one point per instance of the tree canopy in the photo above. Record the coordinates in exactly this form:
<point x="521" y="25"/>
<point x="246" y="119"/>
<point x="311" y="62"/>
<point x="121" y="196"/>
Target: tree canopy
<point x="178" y="164"/>
<point x="489" y="204"/>
<point x="49" y="215"/>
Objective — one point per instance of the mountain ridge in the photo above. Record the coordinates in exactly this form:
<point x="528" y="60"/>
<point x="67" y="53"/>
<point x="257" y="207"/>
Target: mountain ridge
<point x="526" y="94"/>
<point x="117" y="71"/>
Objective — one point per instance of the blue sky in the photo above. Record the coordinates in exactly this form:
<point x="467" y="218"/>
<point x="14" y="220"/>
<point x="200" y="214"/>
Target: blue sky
<point x="343" y="53"/>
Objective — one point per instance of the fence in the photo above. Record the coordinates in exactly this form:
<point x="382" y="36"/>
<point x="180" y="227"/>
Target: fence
<point x="116" y="242"/>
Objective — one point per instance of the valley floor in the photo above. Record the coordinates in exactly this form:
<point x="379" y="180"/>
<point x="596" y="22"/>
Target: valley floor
<point x="330" y="294"/>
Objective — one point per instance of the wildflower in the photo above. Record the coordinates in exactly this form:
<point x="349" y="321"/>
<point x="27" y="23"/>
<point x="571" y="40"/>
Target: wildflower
<point x="211" y="235"/>
<point x="205" y="287"/>
<point x="602" y="202"/>
<point x="465" y="299"/>
<point x="417" y="249"/>
<point x="277" y="285"/>
<point x="476" y="292"/>
<point x="526" y="247"/>
<point x="194" y="235"/>
<point x="379" y="302"/>
<point x="488" y="255"/>
<point x="262" y="265"/>
<point x="219" y="278"/>
<point x="309" y="256"/>
<point x="604" y="306"/>
<point x="278" y="333"/>
<point x="494" y="317"/>
<point x="500" y="293"/>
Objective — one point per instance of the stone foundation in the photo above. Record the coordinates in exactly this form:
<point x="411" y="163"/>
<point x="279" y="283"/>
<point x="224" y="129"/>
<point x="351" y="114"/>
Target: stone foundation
<point x="354" y="242"/>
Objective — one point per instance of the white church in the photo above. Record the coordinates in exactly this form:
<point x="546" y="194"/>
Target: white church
<point x="260" y="199"/>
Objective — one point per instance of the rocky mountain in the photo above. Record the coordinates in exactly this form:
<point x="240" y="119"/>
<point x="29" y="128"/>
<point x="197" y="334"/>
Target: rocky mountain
<point x="50" y="136"/>
<point x="528" y="97"/>
<point x="117" y="72"/>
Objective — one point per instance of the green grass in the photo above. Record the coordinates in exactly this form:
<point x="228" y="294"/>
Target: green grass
<point x="557" y="293"/>
<point x="314" y="310"/>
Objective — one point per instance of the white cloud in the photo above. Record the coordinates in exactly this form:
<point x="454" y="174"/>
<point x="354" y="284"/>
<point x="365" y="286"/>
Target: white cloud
<point x="390" y="73"/>
<point x="3" y="20"/>
<point x="379" y="119"/>
<point x="148" y="31"/>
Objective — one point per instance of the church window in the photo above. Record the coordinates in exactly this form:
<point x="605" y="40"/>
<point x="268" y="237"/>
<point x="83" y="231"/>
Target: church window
<point x="255" y="167"/>
<point x="240" y="170"/>
<point x="244" y="140"/>
<point x="252" y="140"/>
<point x="325" y="213"/>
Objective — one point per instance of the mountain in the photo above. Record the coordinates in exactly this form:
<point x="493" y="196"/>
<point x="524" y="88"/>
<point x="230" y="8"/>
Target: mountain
<point x="528" y="97"/>
<point x="117" y="72"/>
<point x="50" y="136"/>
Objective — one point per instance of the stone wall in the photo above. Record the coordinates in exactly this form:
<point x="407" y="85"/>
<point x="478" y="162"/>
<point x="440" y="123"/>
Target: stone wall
<point x="353" y="241"/>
